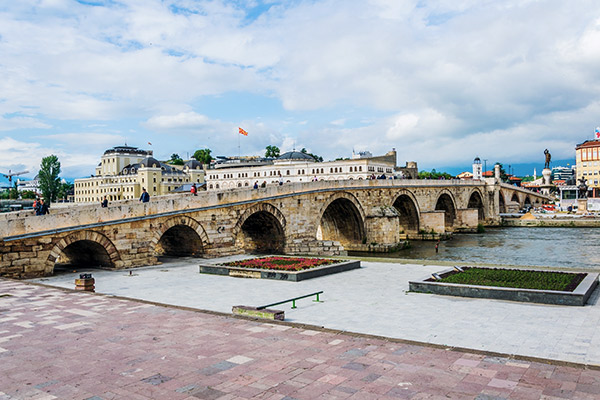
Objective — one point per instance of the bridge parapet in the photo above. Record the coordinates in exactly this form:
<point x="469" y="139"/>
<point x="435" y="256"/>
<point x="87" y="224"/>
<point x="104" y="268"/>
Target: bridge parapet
<point x="76" y="215"/>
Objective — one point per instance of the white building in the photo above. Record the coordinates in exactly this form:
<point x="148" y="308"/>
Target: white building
<point x="295" y="166"/>
<point x="29" y="186"/>
<point x="124" y="170"/>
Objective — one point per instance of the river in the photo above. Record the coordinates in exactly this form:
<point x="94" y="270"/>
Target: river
<point x="573" y="248"/>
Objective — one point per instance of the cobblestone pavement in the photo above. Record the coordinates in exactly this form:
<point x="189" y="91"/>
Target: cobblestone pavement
<point x="74" y="345"/>
<point x="375" y="300"/>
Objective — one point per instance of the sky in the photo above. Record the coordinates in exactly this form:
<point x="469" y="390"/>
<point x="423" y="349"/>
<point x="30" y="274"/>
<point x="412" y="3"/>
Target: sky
<point x="441" y="81"/>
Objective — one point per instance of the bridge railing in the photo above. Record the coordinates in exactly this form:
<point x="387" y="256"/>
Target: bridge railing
<point x="293" y="300"/>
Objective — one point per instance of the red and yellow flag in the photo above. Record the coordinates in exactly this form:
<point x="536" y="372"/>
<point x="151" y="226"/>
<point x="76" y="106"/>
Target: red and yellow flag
<point x="243" y="132"/>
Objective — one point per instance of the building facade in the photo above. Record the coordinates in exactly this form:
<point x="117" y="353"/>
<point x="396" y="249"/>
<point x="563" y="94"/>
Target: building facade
<point x="587" y="157"/>
<point x="124" y="170"/>
<point x="295" y="166"/>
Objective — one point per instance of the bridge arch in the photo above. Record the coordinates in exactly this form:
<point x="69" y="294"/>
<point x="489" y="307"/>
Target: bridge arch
<point x="445" y="202"/>
<point x="180" y="236"/>
<point x="342" y="219"/>
<point x="87" y="249"/>
<point x="260" y="229"/>
<point x="515" y="198"/>
<point x="527" y="201"/>
<point x="408" y="211"/>
<point x="476" y="201"/>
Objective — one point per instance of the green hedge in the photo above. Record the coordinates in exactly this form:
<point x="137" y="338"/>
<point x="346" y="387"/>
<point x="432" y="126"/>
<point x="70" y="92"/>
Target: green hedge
<point x="521" y="279"/>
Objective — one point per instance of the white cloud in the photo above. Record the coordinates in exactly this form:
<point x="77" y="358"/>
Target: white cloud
<point x="442" y="79"/>
<point x="8" y="124"/>
<point x="184" y="120"/>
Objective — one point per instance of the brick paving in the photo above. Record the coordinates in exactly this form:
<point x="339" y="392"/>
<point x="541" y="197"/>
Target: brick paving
<point x="73" y="345"/>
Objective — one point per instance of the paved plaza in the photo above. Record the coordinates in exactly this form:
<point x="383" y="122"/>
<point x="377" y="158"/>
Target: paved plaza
<point x="57" y="344"/>
<point x="374" y="300"/>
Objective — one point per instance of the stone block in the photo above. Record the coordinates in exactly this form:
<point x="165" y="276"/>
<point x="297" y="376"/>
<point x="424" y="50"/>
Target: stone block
<point x="263" y="314"/>
<point x="21" y="261"/>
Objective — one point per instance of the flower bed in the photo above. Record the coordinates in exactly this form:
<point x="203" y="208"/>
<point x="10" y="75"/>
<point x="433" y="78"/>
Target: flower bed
<point x="293" y="269"/>
<point x="282" y="263"/>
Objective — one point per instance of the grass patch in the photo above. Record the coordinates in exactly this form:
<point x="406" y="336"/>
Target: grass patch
<point x="519" y="279"/>
<point x="282" y="263"/>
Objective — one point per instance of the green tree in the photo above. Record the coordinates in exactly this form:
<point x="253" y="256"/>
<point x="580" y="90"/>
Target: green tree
<point x="28" y="194"/>
<point x="13" y="192"/>
<point x="64" y="190"/>
<point x="317" y="158"/>
<point x="203" y="155"/>
<point x="272" y="152"/>
<point x="48" y="178"/>
<point x="434" y="175"/>
<point x="175" y="159"/>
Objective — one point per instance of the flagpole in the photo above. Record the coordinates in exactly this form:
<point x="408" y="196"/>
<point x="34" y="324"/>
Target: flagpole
<point x="239" y="153"/>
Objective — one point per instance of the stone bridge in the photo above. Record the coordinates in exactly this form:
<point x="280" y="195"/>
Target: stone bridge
<point x="511" y="198"/>
<point x="322" y="218"/>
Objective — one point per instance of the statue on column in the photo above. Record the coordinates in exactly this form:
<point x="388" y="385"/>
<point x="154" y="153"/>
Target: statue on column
<point x="583" y="189"/>
<point x="548" y="158"/>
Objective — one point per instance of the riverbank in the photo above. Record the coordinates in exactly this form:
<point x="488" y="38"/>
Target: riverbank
<point x="547" y="221"/>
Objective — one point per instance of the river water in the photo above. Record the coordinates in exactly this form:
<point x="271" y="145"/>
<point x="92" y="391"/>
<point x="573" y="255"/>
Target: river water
<point x="577" y="248"/>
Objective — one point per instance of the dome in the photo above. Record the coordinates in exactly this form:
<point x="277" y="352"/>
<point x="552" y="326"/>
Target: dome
<point x="193" y="164"/>
<point x="477" y="160"/>
<point x="150" y="162"/>
<point x="296" y="155"/>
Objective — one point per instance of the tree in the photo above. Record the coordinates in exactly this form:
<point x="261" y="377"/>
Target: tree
<point x="175" y="159"/>
<point x="48" y="178"/>
<point x="317" y="158"/>
<point x="434" y="175"/>
<point x="272" y="152"/>
<point x="13" y="192"/>
<point x="28" y="194"/>
<point x="203" y="156"/>
<point x="64" y="190"/>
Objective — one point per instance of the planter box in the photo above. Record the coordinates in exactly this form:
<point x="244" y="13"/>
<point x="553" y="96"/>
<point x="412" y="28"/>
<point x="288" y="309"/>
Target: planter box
<point x="578" y="297"/>
<point x="294" y="276"/>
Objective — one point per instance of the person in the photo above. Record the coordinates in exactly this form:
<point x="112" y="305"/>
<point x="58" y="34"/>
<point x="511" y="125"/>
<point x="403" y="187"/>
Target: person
<point x="145" y="197"/>
<point x="256" y="185"/>
<point x="264" y="184"/>
<point x="436" y="246"/>
<point x="104" y="202"/>
<point x="35" y="206"/>
<point x="194" y="190"/>
<point x="42" y="208"/>
<point x="280" y="179"/>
